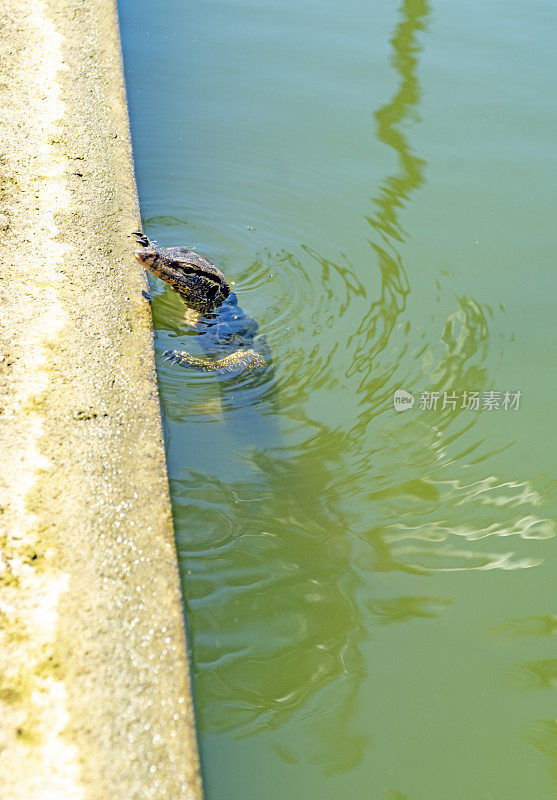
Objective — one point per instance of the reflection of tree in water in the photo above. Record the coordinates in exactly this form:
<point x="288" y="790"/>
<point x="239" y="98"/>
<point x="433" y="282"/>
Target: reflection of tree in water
<point x="543" y="736"/>
<point x="535" y="675"/>
<point x="275" y="624"/>
<point x="271" y="596"/>
<point x="377" y="325"/>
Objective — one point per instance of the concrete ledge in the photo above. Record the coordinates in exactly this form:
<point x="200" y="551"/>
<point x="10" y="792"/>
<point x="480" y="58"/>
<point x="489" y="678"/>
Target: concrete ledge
<point x="95" y="697"/>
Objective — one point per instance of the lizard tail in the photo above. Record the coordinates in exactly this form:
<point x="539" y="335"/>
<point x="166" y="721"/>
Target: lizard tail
<point x="234" y="364"/>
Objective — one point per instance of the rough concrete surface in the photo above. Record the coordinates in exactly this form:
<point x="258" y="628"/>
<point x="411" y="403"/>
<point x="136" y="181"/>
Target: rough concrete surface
<point x="95" y="698"/>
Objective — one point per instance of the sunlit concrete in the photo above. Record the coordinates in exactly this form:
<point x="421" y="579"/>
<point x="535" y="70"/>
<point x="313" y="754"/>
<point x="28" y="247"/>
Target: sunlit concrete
<point x="95" y="696"/>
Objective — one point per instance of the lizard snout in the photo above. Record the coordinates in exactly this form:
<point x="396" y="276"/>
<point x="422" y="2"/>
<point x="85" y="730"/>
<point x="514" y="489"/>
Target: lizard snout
<point x="145" y="257"/>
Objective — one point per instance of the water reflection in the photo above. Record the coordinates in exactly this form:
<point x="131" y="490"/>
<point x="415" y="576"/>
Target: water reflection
<point x="543" y="736"/>
<point x="376" y="327"/>
<point x="273" y="586"/>
<point x="351" y="566"/>
<point x="275" y="623"/>
<point x="278" y="576"/>
<point x="540" y="674"/>
<point x="404" y="609"/>
<point x="545" y="625"/>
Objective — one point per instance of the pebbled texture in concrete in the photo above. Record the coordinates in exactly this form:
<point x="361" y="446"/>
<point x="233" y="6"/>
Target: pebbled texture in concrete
<point x="95" y="696"/>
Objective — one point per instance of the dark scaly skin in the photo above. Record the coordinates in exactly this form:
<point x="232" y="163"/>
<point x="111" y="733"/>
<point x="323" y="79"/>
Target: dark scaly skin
<point x="196" y="279"/>
<point x="233" y="364"/>
<point x="226" y="332"/>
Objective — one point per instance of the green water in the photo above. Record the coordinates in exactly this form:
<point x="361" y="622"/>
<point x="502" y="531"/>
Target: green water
<point x="371" y="593"/>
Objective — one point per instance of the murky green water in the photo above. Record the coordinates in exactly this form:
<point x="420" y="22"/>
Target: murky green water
<point x="371" y="593"/>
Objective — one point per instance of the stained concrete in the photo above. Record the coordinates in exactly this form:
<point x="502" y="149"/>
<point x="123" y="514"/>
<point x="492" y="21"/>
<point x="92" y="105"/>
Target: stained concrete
<point x="95" y="695"/>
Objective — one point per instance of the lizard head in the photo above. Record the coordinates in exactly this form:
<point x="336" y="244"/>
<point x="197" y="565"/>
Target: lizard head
<point x="201" y="285"/>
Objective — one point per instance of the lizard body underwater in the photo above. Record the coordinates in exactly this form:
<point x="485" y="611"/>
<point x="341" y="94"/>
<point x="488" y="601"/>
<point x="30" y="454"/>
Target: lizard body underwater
<point x="226" y="333"/>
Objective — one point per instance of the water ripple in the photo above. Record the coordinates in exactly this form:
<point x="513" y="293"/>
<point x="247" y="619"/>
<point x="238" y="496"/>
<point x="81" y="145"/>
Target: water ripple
<point x="282" y="565"/>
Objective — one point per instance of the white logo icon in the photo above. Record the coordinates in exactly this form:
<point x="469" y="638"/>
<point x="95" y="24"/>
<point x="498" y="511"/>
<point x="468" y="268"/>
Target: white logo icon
<point x="403" y="400"/>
